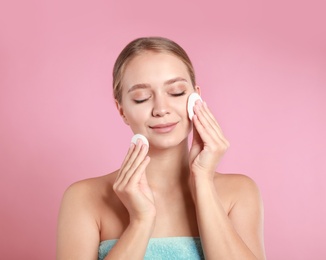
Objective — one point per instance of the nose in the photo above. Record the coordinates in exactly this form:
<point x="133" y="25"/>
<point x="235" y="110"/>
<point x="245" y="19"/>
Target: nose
<point x="160" y="107"/>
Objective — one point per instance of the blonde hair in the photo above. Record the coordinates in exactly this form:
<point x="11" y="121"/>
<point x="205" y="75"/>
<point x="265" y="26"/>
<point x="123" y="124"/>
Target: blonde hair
<point x="140" y="45"/>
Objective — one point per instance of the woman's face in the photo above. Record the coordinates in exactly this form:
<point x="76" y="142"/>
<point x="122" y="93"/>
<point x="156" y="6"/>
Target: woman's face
<point x="155" y="88"/>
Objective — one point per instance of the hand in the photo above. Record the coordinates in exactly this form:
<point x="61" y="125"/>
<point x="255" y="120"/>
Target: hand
<point x="208" y="145"/>
<point x="131" y="183"/>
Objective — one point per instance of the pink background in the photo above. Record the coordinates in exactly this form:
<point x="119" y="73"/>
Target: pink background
<point x="262" y="69"/>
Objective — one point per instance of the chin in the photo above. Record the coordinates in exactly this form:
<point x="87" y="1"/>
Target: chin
<point x="166" y="142"/>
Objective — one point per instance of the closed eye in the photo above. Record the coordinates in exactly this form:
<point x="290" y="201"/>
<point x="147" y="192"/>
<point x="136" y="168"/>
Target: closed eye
<point x="140" y="101"/>
<point x="178" y="94"/>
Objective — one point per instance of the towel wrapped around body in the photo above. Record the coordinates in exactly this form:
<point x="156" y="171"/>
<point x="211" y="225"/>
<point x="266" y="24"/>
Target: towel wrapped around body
<point x="163" y="248"/>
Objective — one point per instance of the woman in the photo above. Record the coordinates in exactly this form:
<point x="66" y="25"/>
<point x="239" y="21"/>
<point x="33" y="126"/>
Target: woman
<point x="166" y="201"/>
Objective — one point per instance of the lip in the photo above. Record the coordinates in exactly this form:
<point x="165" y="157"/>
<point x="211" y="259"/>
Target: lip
<point x="164" y="128"/>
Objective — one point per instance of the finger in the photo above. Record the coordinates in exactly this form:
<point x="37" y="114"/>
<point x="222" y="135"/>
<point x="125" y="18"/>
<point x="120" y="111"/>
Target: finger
<point x="210" y="137"/>
<point x="140" y="170"/>
<point x="212" y="118"/>
<point x="129" y="161"/>
<point x="196" y="136"/>
<point x="209" y="123"/>
<point x="127" y="157"/>
<point x="213" y="144"/>
<point x="201" y="131"/>
<point x="205" y="117"/>
<point x="135" y="164"/>
<point x="207" y="130"/>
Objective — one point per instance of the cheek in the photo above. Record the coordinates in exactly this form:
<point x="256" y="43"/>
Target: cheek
<point x="182" y="108"/>
<point x="136" y="115"/>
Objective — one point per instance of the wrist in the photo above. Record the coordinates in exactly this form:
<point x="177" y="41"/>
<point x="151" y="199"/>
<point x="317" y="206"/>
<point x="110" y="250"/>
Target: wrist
<point x="202" y="176"/>
<point x="142" y="227"/>
<point x="143" y="221"/>
<point x="201" y="186"/>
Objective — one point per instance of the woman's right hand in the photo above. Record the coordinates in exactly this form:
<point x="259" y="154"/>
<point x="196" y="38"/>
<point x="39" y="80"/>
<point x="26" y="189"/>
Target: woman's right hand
<point x="131" y="184"/>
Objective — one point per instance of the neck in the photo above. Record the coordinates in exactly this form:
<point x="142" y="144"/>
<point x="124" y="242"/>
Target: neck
<point x="169" y="168"/>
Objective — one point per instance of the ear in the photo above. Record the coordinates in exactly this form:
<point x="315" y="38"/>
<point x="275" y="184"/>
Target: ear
<point x="197" y="90"/>
<point x="121" y="112"/>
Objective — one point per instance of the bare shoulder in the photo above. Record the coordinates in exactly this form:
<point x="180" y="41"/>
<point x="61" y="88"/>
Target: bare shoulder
<point x="87" y="193"/>
<point x="80" y="213"/>
<point x="91" y="185"/>
<point x="242" y="201"/>
<point x="239" y="182"/>
<point x="235" y="188"/>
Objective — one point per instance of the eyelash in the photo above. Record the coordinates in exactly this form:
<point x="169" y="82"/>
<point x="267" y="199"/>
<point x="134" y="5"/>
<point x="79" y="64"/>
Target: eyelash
<point x="179" y="94"/>
<point x="140" y="101"/>
<point x="174" y="95"/>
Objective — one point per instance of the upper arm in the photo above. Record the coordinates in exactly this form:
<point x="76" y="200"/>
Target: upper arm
<point x="78" y="231"/>
<point x="247" y="216"/>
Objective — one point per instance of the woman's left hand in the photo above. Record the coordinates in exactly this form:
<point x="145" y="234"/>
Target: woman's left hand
<point x="209" y="143"/>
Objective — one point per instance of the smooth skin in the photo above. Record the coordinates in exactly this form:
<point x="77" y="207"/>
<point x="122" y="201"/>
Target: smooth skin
<point x="167" y="190"/>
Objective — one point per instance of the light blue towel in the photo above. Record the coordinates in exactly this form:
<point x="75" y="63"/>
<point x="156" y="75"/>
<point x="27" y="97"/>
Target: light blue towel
<point x="163" y="248"/>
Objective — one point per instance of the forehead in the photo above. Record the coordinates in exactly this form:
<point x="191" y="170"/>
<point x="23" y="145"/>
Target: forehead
<point x="153" y="68"/>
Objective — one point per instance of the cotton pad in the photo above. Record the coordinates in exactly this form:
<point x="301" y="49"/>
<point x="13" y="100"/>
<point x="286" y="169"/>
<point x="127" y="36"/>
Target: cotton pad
<point x="193" y="97"/>
<point x="139" y="136"/>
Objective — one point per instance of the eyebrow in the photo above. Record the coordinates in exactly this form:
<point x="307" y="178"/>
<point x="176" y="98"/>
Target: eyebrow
<point x="174" y="80"/>
<point x="145" y="86"/>
<point x="139" y="86"/>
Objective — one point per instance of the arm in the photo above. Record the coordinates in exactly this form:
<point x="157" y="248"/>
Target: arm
<point x="239" y="234"/>
<point x="79" y="228"/>
<point x="133" y="242"/>
<point x="132" y="189"/>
